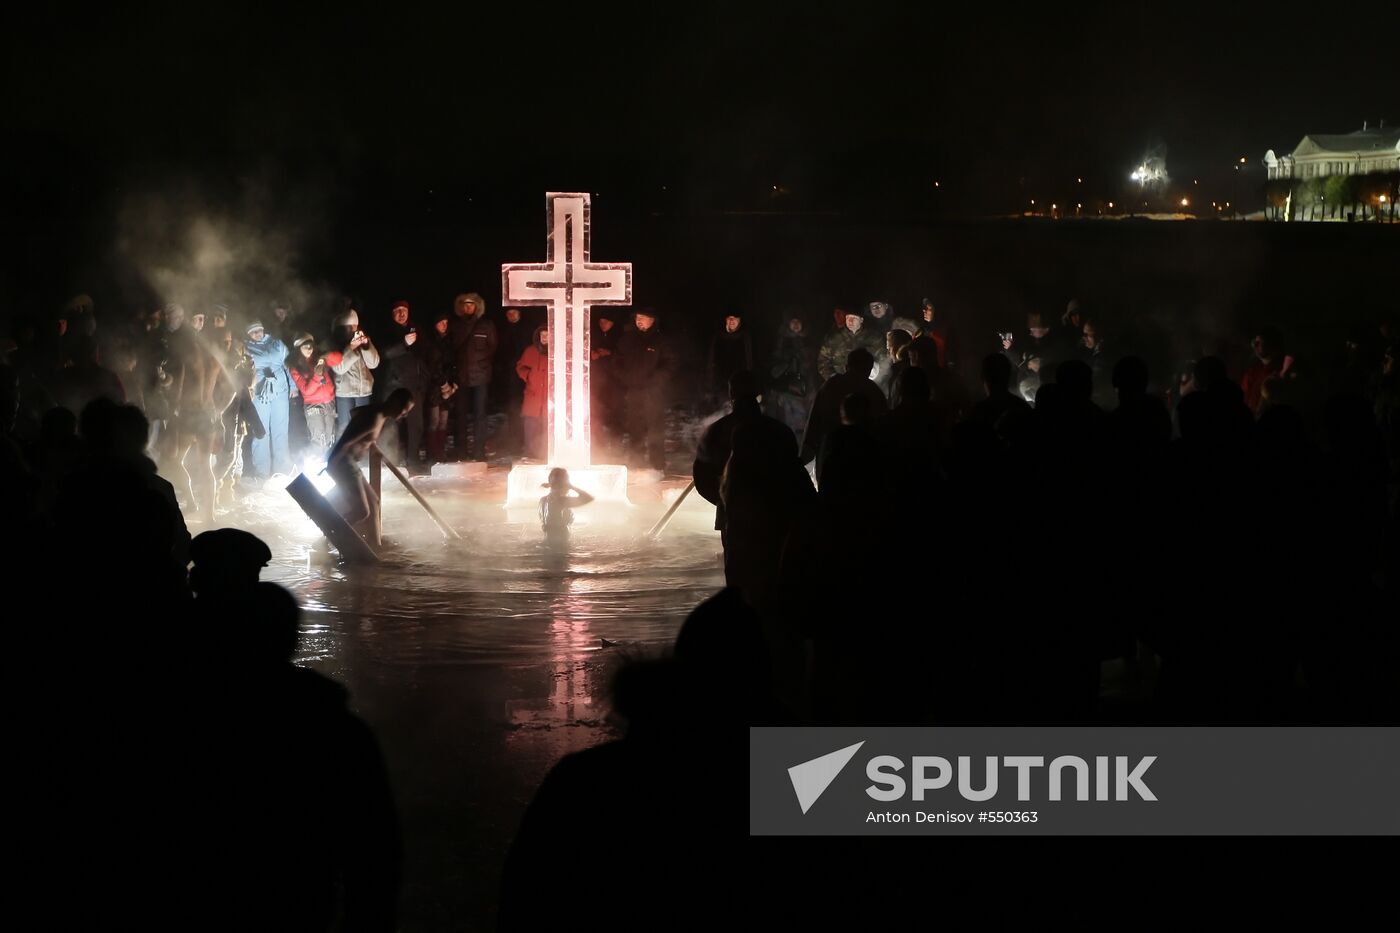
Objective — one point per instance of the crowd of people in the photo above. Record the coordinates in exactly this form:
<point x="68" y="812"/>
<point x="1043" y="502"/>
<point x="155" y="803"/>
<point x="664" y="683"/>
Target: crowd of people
<point x="1222" y="549"/>
<point x="235" y="399"/>
<point x="902" y="543"/>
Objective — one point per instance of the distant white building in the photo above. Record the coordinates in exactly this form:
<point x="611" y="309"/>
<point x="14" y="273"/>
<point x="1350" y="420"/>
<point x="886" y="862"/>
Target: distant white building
<point x="1359" y="153"/>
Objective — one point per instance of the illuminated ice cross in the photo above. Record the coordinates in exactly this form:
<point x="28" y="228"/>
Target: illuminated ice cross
<point x="569" y="283"/>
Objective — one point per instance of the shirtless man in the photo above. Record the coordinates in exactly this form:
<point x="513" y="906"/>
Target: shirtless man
<point x="353" y="497"/>
<point x="194" y="418"/>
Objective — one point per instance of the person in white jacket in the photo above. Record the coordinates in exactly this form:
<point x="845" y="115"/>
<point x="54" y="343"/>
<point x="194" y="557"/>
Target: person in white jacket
<point x="354" y="379"/>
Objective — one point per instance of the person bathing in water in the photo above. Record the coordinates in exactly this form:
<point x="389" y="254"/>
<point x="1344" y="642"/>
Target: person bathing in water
<point x="353" y="496"/>
<point x="557" y="506"/>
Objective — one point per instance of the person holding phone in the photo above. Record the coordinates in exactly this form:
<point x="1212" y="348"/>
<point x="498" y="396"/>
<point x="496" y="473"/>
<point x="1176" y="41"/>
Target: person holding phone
<point x="354" y="377"/>
<point x="406" y="369"/>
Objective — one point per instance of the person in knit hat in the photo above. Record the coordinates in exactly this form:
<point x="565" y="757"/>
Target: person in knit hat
<point x="312" y="377"/>
<point x="354" y="376"/>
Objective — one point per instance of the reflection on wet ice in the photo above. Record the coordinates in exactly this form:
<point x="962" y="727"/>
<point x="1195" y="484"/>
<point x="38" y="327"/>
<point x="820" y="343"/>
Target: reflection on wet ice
<point x="480" y="662"/>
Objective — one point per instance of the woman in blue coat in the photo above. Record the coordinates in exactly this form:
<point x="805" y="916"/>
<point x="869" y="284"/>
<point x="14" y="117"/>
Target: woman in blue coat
<point x="271" y="394"/>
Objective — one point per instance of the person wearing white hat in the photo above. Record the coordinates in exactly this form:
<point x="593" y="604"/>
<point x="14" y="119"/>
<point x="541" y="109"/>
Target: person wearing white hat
<point x="354" y="379"/>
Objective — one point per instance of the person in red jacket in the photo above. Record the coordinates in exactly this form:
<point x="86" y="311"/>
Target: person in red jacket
<point x="1270" y="364"/>
<point x="313" y="380"/>
<point x="533" y="370"/>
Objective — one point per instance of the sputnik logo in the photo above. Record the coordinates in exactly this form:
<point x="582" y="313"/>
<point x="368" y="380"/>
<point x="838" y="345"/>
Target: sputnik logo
<point x="811" y="778"/>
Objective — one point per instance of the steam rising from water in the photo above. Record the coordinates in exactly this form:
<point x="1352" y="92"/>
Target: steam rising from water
<point x="198" y="250"/>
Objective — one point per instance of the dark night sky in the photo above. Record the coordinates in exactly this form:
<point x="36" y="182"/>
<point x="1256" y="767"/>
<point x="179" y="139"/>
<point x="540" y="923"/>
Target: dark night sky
<point x="843" y="108"/>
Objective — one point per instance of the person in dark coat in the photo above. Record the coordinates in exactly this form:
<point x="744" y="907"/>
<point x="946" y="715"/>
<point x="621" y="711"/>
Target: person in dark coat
<point x="440" y="370"/>
<point x="646" y="368"/>
<point x="405" y="356"/>
<point x="792" y="376"/>
<point x="767" y="496"/>
<point x="515" y="337"/>
<point x="274" y="730"/>
<point x="607" y="402"/>
<point x="1035" y="358"/>
<point x="1002" y="411"/>
<point x="731" y="351"/>
<point x="474" y="342"/>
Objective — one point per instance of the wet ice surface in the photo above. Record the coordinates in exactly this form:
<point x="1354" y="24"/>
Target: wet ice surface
<point x="478" y="663"/>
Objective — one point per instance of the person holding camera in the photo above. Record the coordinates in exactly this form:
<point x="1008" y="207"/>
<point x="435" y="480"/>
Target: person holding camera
<point x="354" y="379"/>
<point x="312" y="377"/>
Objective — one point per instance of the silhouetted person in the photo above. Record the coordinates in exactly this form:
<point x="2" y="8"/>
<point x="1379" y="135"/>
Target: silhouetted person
<point x="913" y="432"/>
<point x="557" y="507"/>
<point x="852" y="463"/>
<point x="764" y="493"/>
<point x="116" y="437"/>
<point x="826" y="407"/>
<point x="86" y="378"/>
<point x="611" y="794"/>
<point x="226" y="562"/>
<point x="58" y="452"/>
<point x="282" y="733"/>
<point x="716" y="443"/>
<point x="1139" y="421"/>
<point x="1002" y="411"/>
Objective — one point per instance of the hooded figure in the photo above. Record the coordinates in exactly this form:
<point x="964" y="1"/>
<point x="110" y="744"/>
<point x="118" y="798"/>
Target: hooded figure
<point x="533" y="370"/>
<point x="474" y="341"/>
<point x="354" y="381"/>
<point x="272" y="392"/>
